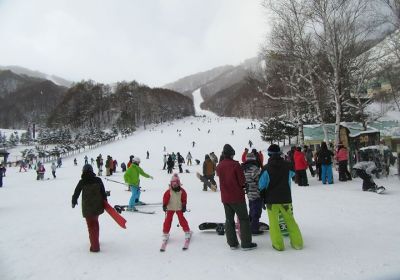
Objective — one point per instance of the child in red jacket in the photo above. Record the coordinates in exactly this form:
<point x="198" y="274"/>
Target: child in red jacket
<point x="174" y="201"/>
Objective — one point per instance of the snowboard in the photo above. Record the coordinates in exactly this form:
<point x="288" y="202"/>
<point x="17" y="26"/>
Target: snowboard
<point x="378" y="190"/>
<point x="114" y="214"/>
<point x="220" y="227"/>
<point x="120" y="208"/>
<point x="205" y="181"/>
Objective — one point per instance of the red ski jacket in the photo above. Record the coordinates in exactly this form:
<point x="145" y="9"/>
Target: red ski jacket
<point x="231" y="181"/>
<point x="300" y="162"/>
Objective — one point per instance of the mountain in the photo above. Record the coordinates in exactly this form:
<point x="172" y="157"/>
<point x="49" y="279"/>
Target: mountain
<point x="25" y="99"/>
<point x="242" y="100"/>
<point x="90" y="104"/>
<point x="36" y="74"/>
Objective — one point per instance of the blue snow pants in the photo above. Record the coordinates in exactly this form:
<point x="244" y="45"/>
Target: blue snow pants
<point x="135" y="196"/>
<point x="327" y="173"/>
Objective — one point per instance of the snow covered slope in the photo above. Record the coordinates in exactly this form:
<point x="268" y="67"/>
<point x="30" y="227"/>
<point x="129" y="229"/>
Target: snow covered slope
<point x="348" y="234"/>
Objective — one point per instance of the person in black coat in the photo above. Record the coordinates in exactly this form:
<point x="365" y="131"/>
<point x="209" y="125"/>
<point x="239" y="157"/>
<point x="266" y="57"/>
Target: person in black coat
<point x="93" y="197"/>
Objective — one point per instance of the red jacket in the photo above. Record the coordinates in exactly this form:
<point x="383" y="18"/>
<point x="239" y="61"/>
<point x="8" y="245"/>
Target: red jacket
<point x="231" y="181"/>
<point x="244" y="155"/>
<point x="300" y="162"/>
<point x="261" y="157"/>
<point x="342" y="154"/>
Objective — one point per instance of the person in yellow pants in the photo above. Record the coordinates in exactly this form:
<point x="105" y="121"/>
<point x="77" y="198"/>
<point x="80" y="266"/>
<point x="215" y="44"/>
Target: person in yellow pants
<point x="274" y="185"/>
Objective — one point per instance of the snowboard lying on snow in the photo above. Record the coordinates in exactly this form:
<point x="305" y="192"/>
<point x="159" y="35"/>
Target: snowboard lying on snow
<point x="220" y="227"/>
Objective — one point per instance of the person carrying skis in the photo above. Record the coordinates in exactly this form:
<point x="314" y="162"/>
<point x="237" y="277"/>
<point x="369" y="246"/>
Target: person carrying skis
<point x="93" y="197"/>
<point x="274" y="185"/>
<point x="364" y="170"/>
<point x="232" y="182"/>
<point x="251" y="173"/>
<point x="131" y="177"/>
<point x="174" y="201"/>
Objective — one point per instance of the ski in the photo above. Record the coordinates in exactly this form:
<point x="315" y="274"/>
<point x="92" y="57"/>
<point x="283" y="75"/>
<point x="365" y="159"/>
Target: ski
<point x="121" y="208"/>
<point x="186" y="244"/>
<point x="148" y="204"/>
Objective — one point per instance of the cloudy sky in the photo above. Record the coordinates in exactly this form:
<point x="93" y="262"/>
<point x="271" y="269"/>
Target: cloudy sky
<point x="151" y="41"/>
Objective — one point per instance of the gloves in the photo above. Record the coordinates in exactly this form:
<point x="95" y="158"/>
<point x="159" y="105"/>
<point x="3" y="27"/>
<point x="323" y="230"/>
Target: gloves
<point x="183" y="209"/>
<point x="164" y="208"/>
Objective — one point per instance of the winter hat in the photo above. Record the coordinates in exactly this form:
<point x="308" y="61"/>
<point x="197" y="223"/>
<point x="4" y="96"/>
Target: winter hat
<point x="250" y="156"/>
<point x="228" y="150"/>
<point x="274" y="150"/>
<point x="87" y="168"/>
<point x="175" y="181"/>
<point x="136" y="160"/>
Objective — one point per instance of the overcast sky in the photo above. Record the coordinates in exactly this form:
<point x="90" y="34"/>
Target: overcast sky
<point x="151" y="41"/>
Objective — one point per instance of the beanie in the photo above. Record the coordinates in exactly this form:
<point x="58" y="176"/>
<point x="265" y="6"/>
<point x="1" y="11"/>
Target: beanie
<point x="87" y="168"/>
<point x="228" y="150"/>
<point x="175" y="181"/>
<point x="250" y="156"/>
<point x="274" y="149"/>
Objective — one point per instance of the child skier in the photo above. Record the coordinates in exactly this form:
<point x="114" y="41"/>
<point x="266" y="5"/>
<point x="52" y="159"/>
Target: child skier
<point x="174" y="201"/>
<point x="364" y="170"/>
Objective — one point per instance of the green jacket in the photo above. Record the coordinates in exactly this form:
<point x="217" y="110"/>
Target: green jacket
<point x="131" y="175"/>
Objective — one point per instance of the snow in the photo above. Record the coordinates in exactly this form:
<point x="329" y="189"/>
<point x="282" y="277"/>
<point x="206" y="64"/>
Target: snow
<point x="348" y="234"/>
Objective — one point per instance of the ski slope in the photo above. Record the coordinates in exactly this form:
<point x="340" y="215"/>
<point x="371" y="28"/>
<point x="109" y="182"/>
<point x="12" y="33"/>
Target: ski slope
<point x="348" y="234"/>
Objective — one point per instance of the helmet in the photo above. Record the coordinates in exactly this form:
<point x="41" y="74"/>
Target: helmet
<point x="136" y="160"/>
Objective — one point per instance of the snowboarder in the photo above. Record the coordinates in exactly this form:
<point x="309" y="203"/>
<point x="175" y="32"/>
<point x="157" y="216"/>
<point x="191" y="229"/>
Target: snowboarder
<point x="274" y="185"/>
<point x="93" y="197"/>
<point x="364" y="170"/>
<point x="174" y="201"/>
<point x="232" y="181"/>
<point x="251" y="173"/>
<point x="209" y="173"/>
<point x="131" y="177"/>
<point x="180" y="160"/>
<point x="53" y="169"/>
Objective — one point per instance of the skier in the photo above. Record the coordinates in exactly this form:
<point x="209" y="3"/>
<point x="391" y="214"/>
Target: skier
<point x="209" y="173"/>
<point x="59" y="162"/>
<point x="93" y="197"/>
<point x="193" y="143"/>
<point x="123" y="166"/>
<point x="75" y="162"/>
<point x="180" y="160"/>
<point x="86" y="159"/>
<point x="174" y="201"/>
<point x="274" y="185"/>
<point x="300" y="166"/>
<point x="325" y="157"/>
<point x="250" y="144"/>
<point x="131" y="177"/>
<point x="232" y="181"/>
<point x="189" y="158"/>
<point x="251" y="173"/>
<point x="342" y="157"/>
<point x="164" y="161"/>
<point x="147" y="155"/>
<point x="53" y="169"/>
<point x="364" y="170"/>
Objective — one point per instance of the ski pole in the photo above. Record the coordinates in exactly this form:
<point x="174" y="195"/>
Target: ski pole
<point x="118" y="182"/>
